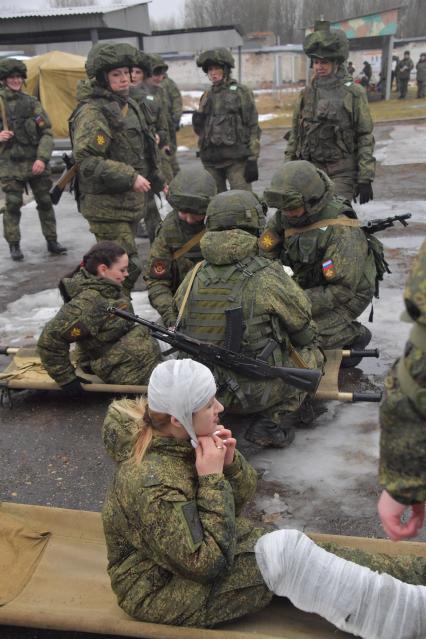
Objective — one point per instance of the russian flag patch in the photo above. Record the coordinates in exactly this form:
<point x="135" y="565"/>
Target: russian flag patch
<point x="328" y="269"/>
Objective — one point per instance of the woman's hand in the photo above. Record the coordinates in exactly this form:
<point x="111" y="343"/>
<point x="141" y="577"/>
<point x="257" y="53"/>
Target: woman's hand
<point x="230" y="442"/>
<point x="141" y="185"/>
<point x="6" y="135"/>
<point x="390" y="512"/>
<point x="209" y="455"/>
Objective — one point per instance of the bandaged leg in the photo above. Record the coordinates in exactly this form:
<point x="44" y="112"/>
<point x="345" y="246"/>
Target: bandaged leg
<point x="352" y="597"/>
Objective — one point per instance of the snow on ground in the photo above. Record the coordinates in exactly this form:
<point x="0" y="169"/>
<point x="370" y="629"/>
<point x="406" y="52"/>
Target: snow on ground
<point x="263" y="117"/>
<point x="407" y="145"/>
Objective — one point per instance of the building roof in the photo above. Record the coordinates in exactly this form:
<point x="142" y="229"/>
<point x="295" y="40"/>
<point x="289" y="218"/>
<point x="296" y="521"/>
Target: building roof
<point x="68" y="11"/>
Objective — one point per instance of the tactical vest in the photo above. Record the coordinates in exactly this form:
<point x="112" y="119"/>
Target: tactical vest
<point x="175" y="237"/>
<point x="132" y="141"/>
<point x="326" y="128"/>
<point x="225" y="134"/>
<point x="218" y="289"/>
<point x="21" y="115"/>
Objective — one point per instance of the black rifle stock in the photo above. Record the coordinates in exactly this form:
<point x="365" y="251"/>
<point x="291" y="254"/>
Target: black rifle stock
<point x="305" y="379"/>
<point x="374" y="226"/>
<point x="67" y="176"/>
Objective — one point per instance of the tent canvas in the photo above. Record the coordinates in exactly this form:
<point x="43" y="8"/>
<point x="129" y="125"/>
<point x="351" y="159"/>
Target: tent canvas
<point x="53" y="78"/>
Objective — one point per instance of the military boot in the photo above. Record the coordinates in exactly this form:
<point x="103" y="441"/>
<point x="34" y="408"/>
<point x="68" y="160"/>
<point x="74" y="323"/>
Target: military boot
<point x="15" y="252"/>
<point x="266" y="433"/>
<point x="359" y="344"/>
<point x="54" y="247"/>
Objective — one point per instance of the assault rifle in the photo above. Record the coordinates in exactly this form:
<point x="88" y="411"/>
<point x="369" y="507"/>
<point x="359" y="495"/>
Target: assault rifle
<point x="305" y="379"/>
<point x="67" y="177"/>
<point x="374" y="226"/>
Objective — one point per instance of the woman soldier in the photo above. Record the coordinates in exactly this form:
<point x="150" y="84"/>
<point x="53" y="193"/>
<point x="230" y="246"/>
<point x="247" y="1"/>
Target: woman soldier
<point x="108" y="346"/>
<point x="115" y="151"/>
<point x="179" y="551"/>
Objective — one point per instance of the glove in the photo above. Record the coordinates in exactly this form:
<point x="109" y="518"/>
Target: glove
<point x="74" y="388"/>
<point x="365" y="192"/>
<point x="251" y="172"/>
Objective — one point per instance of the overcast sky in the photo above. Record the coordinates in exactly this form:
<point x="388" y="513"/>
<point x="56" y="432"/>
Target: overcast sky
<point x="164" y="8"/>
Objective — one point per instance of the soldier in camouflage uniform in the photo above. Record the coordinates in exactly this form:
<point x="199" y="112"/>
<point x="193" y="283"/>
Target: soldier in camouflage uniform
<point x="405" y="67"/>
<point x="179" y="551"/>
<point x="151" y="102"/>
<point x="272" y="315"/>
<point x="176" y="247"/>
<point x="421" y="76"/>
<point x="115" y="151"/>
<point x="403" y="418"/>
<point x="318" y="236"/>
<point x="332" y="125"/>
<point x="106" y="345"/>
<point x="227" y="124"/>
<point x="172" y="105"/>
<point x="26" y="143"/>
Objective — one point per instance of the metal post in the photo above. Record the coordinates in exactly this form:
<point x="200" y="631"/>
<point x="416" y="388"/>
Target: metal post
<point x="388" y="52"/>
<point x="240" y="61"/>
<point x="94" y="36"/>
<point x="140" y="41"/>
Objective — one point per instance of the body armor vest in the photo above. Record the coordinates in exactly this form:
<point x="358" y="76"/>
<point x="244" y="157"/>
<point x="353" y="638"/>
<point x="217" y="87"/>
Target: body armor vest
<point x="326" y="125"/>
<point x="21" y="115"/>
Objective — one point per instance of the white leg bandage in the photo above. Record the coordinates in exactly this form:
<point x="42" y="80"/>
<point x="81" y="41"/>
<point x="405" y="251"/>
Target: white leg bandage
<point x="352" y="597"/>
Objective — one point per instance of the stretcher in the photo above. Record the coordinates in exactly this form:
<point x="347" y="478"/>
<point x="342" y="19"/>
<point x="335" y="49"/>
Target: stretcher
<point x="25" y="372"/>
<point x="53" y="576"/>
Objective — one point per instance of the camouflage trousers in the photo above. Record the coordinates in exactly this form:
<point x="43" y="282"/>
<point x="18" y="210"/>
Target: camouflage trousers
<point x="130" y="360"/>
<point x="421" y="84"/>
<point x="344" y="185"/>
<point x="13" y="190"/>
<point x="166" y="166"/>
<point x="233" y="173"/>
<point x="151" y="216"/>
<point x="337" y="328"/>
<point x="124" y="234"/>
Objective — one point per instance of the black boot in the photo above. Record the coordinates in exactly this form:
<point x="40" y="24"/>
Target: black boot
<point x="359" y="344"/>
<point x="54" y="247"/>
<point x="268" y="434"/>
<point x="15" y="252"/>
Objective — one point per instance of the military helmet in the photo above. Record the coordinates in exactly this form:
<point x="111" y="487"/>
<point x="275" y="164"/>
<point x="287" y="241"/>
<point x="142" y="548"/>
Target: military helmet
<point x="143" y="61"/>
<point x="11" y="66"/>
<point x="415" y="290"/>
<point x="104" y="57"/>
<point x="299" y="184"/>
<point x="157" y="63"/>
<point x="191" y="191"/>
<point x="236" y="210"/>
<point x="324" y="42"/>
<point x="221" y="56"/>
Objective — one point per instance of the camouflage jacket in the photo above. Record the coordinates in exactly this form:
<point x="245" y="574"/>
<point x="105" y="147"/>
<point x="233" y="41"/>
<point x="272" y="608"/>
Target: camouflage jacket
<point x="176" y="541"/>
<point x="227" y="124"/>
<point x="421" y="71"/>
<point x="274" y="310"/>
<point x="332" y="264"/>
<point x="112" y="144"/>
<point x="403" y="410"/>
<point x="84" y="321"/>
<point x="164" y="272"/>
<point x="33" y="136"/>
<point x="152" y="104"/>
<point x="333" y="129"/>
<point x="174" y="98"/>
<point x="404" y="68"/>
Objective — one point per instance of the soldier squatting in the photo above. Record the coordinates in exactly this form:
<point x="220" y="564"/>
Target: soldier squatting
<point x="215" y="274"/>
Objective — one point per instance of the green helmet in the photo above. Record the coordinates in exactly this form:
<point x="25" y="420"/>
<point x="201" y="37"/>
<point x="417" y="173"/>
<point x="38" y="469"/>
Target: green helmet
<point x="191" y="191"/>
<point x="143" y="61"/>
<point x="236" y="210"/>
<point x="157" y="63"/>
<point x="104" y="57"/>
<point x="11" y="66"/>
<point x="221" y="56"/>
<point x="299" y="184"/>
<point x="324" y="42"/>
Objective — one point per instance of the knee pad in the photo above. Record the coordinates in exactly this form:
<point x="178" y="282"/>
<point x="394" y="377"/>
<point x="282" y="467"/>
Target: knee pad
<point x="14" y="201"/>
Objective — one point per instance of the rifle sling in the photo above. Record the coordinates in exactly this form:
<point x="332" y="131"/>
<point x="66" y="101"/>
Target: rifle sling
<point x="340" y="221"/>
<point x="188" y="291"/>
<point x="188" y="245"/>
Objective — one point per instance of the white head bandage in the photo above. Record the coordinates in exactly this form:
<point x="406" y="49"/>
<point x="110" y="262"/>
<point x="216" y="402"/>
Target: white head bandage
<point x="181" y="387"/>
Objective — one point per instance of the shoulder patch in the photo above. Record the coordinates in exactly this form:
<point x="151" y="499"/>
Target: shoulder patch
<point x="268" y="240"/>
<point x="328" y="269"/>
<point x="159" y="269"/>
<point x="40" y="121"/>
<point x="233" y="87"/>
<point x="76" y="332"/>
<point x="191" y="518"/>
<point x="100" y="139"/>
<point x="150" y="97"/>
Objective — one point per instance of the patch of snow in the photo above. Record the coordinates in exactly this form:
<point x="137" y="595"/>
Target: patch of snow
<point x="186" y="119"/>
<point x="183" y="148"/>
<point x="263" y="117"/>
<point x="405" y="146"/>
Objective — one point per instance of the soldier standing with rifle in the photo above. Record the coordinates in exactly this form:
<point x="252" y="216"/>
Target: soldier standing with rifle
<point x="26" y="143"/>
<point x="332" y="125"/>
<point x="115" y="151"/>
